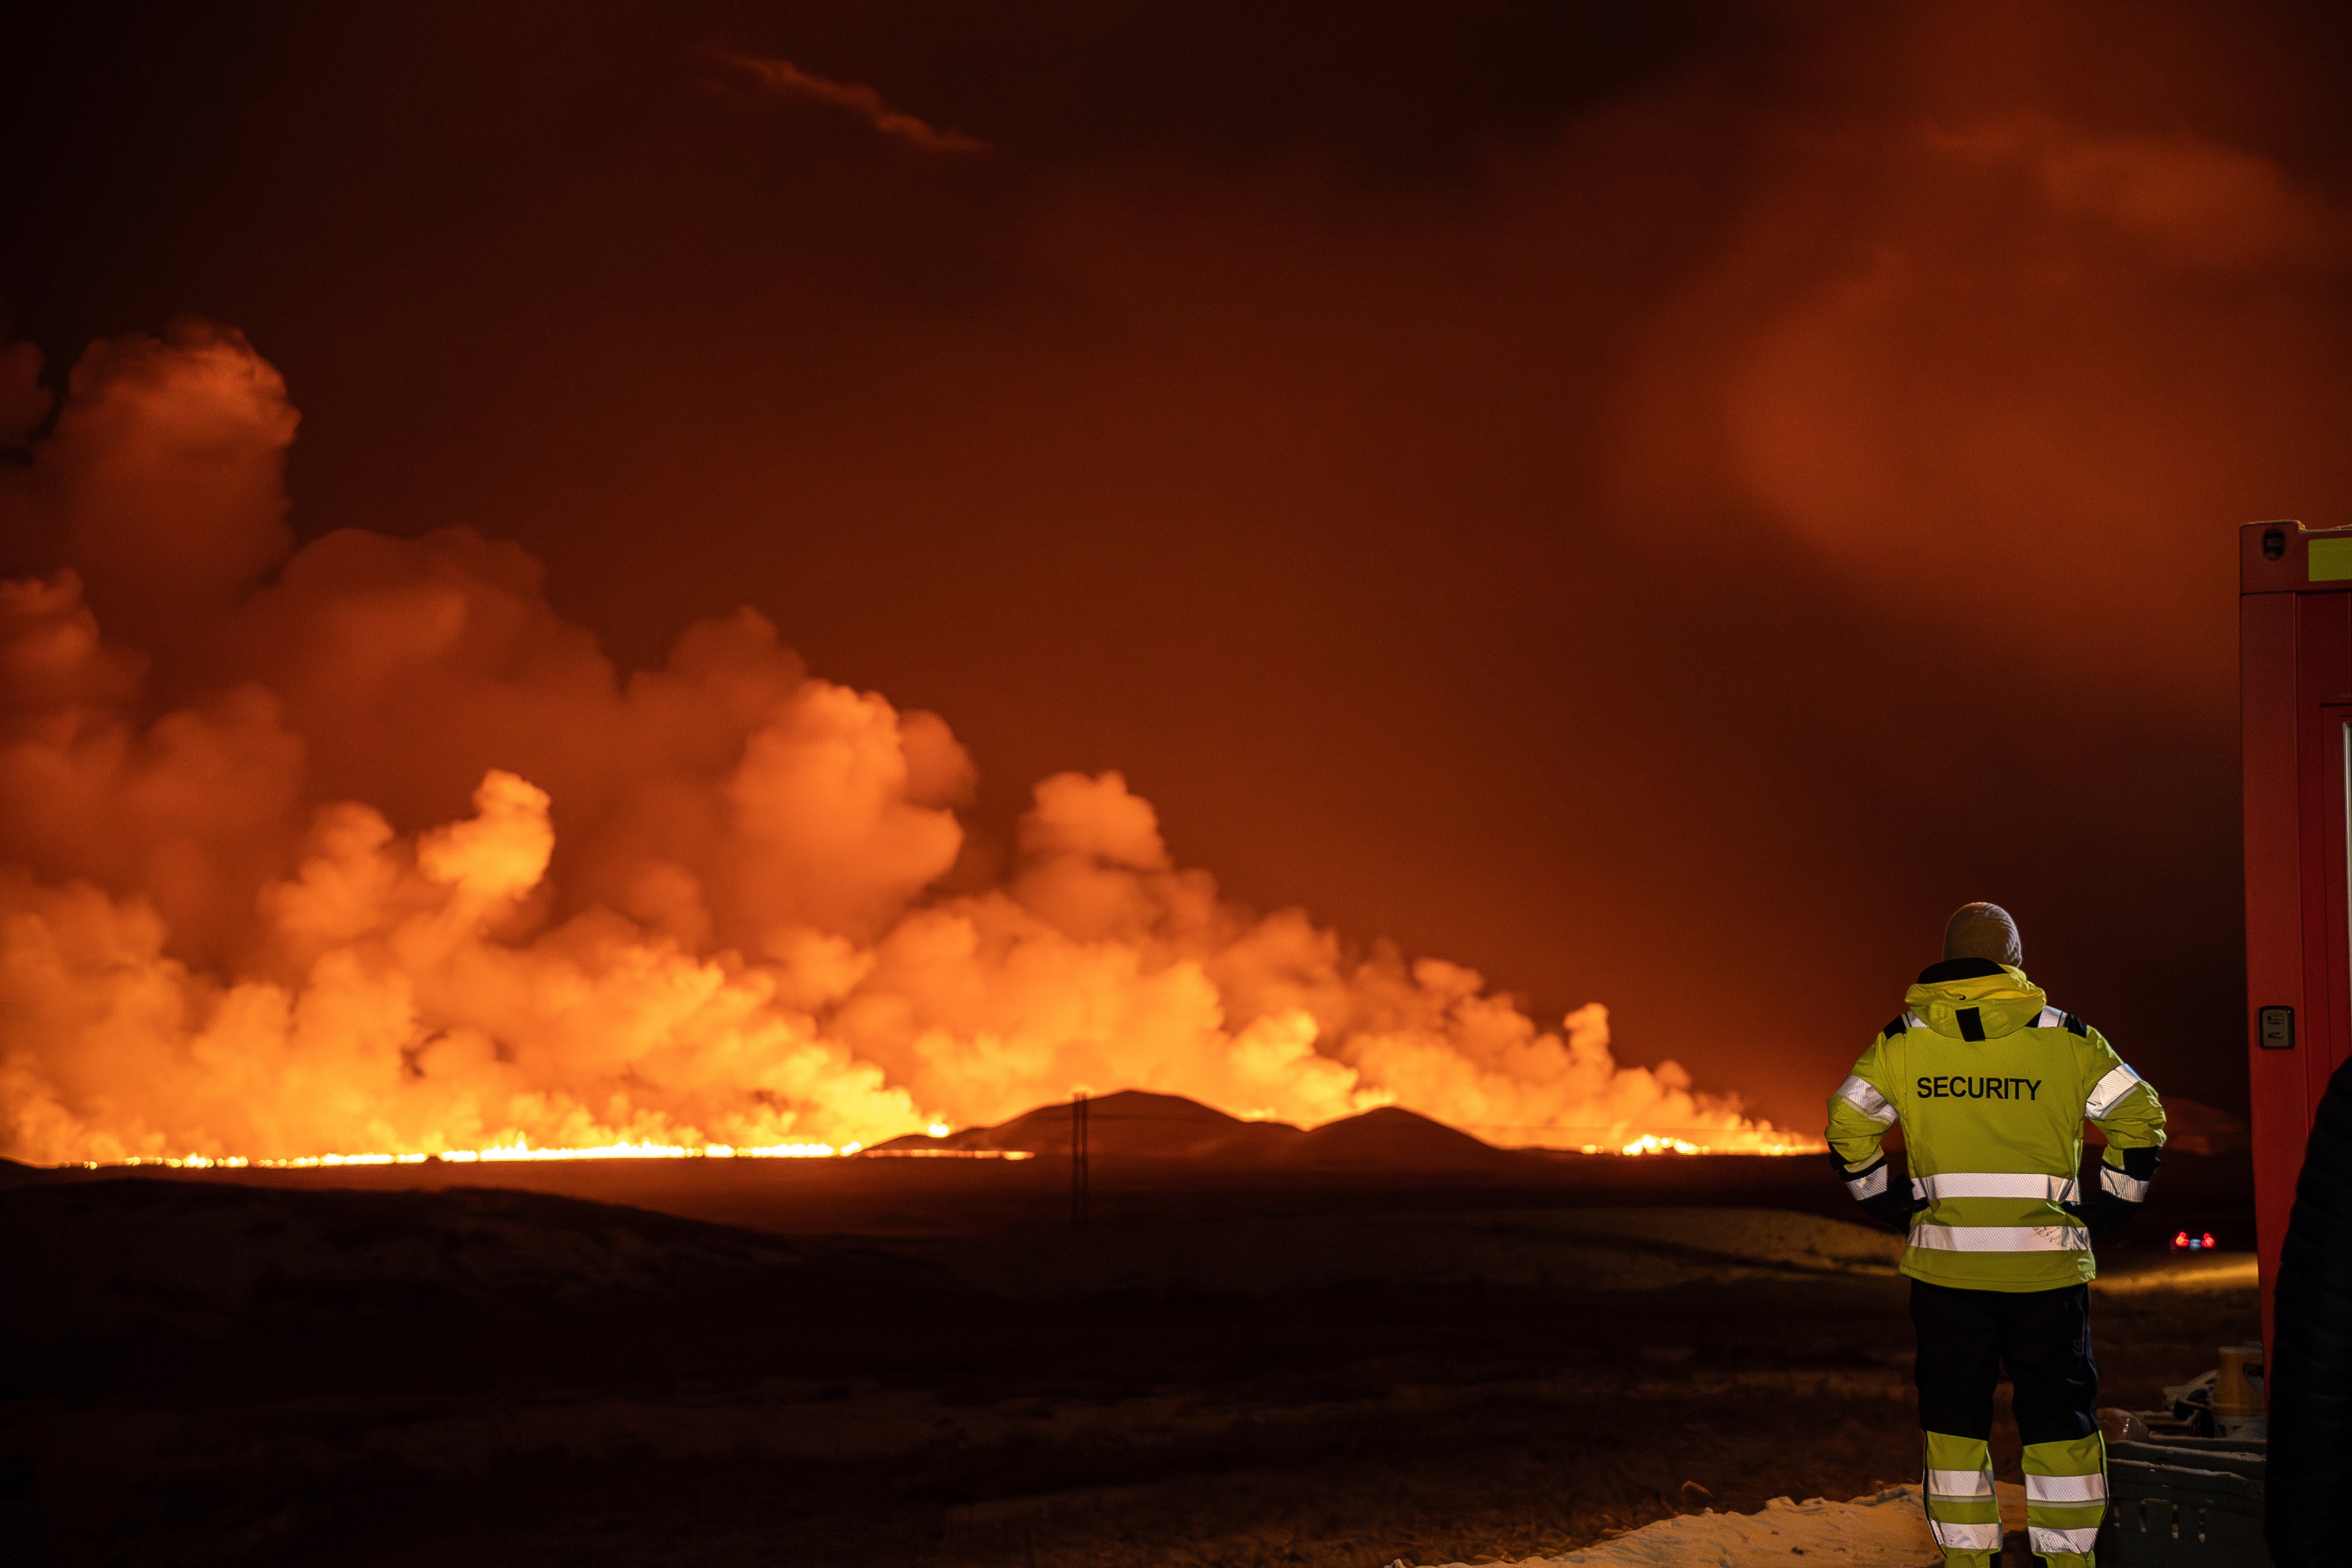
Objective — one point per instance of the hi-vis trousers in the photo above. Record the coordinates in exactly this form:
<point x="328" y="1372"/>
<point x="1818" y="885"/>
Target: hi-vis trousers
<point x="2044" y="1337"/>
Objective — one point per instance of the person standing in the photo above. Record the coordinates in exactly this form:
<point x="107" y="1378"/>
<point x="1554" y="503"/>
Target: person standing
<point x="1991" y="1086"/>
<point x="2309" y="1375"/>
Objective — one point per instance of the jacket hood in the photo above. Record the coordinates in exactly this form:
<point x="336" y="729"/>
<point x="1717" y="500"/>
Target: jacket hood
<point x="1994" y="1005"/>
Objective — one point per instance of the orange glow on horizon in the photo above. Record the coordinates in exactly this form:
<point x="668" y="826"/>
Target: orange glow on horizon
<point x="512" y="1153"/>
<point x="1759" y="1142"/>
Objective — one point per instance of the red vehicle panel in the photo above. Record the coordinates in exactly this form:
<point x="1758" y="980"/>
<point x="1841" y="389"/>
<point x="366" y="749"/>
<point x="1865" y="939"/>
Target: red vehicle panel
<point x="2295" y="621"/>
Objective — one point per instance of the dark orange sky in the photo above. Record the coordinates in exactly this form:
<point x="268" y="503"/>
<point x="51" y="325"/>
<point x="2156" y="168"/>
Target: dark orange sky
<point x="1656" y="504"/>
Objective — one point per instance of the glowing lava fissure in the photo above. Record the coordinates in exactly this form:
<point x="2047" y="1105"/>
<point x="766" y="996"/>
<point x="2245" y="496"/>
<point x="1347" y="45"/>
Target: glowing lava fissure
<point x="690" y="912"/>
<point x="517" y="1153"/>
<point x="1648" y="1144"/>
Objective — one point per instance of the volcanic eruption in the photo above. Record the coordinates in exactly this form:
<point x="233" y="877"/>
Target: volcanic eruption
<point x="359" y="849"/>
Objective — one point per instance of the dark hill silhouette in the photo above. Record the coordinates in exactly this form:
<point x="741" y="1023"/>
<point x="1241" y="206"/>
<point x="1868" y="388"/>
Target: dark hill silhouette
<point x="1134" y="1125"/>
<point x="1394" y="1136"/>
<point x="1131" y="1123"/>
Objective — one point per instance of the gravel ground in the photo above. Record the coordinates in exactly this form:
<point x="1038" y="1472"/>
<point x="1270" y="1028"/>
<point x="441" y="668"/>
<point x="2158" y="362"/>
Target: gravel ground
<point x="216" y="1373"/>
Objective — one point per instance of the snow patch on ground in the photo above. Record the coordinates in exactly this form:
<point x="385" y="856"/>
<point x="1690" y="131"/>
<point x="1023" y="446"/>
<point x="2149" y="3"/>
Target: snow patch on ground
<point x="1888" y="1530"/>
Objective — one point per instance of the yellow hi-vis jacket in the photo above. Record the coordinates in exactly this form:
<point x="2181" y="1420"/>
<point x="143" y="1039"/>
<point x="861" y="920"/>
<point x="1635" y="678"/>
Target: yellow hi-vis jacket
<point x="1992" y="1086"/>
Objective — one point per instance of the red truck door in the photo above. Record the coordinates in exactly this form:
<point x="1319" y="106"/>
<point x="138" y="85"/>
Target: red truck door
<point x="2295" y="620"/>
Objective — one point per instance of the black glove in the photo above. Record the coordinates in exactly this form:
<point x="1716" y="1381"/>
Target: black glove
<point x="1893" y="1209"/>
<point x="1891" y="1205"/>
<point x="2102" y="1215"/>
<point x="2105" y="1212"/>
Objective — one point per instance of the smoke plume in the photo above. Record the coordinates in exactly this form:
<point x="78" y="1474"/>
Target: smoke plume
<point x="363" y="848"/>
<point x="787" y="80"/>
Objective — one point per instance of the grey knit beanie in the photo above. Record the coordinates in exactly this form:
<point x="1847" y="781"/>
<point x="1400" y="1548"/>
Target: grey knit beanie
<point x="1983" y="930"/>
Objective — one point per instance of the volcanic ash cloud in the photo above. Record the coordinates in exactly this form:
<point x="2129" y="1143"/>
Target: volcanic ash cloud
<point x="362" y="849"/>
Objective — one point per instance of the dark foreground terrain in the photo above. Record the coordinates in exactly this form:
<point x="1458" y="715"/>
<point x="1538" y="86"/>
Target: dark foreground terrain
<point x="250" y="1367"/>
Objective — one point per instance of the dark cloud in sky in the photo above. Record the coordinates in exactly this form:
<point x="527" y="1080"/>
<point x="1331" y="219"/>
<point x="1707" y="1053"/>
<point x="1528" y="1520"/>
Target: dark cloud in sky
<point x="784" y="80"/>
<point x="1658" y="503"/>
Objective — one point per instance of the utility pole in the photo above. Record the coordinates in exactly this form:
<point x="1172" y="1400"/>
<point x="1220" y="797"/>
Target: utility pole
<point x="1078" y="1160"/>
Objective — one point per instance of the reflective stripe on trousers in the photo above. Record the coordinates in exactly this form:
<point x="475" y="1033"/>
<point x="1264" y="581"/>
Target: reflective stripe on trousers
<point x="1963" y="1515"/>
<point x="1959" y="1483"/>
<point x="1965" y="1538"/>
<point x="2065" y="1498"/>
<point x="2060" y="1548"/>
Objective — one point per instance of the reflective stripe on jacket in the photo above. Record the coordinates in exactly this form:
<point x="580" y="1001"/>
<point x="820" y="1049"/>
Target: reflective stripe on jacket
<point x="1991" y="1086"/>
